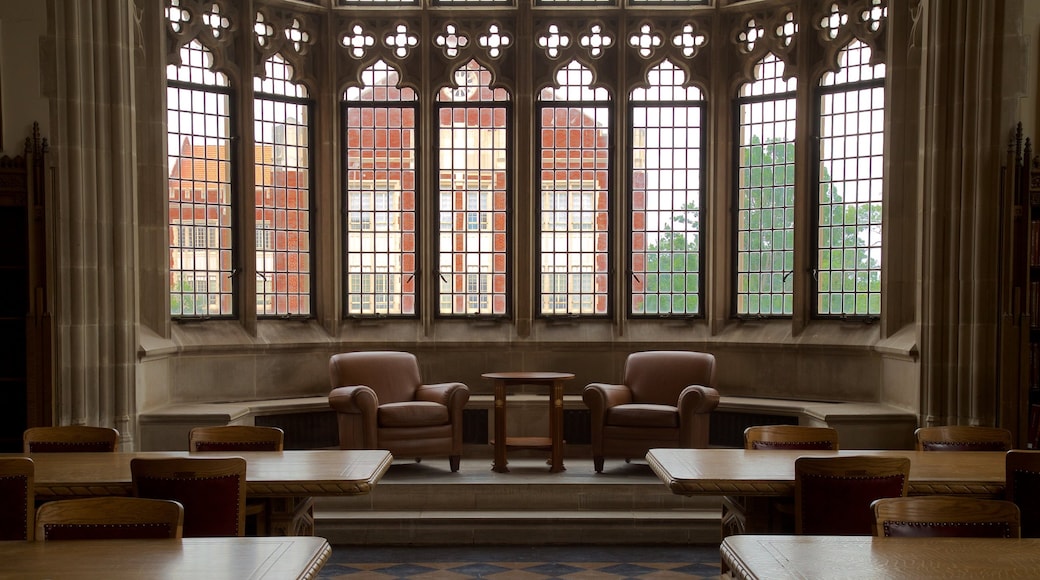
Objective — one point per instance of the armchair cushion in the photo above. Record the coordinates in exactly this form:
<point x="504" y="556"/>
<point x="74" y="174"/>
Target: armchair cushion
<point x="413" y="414"/>
<point x="640" y="415"/>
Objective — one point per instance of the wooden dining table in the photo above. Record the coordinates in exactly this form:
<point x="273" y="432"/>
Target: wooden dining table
<point x="771" y="472"/>
<point x="749" y="480"/>
<point x="287" y="480"/>
<point x="274" y="558"/>
<point x="786" y="557"/>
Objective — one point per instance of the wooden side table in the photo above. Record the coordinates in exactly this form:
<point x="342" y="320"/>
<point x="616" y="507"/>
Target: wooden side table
<point x="554" y="442"/>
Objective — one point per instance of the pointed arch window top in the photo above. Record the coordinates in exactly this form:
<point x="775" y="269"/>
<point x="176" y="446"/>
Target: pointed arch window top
<point x="666" y="84"/>
<point x="769" y="79"/>
<point x="472" y="84"/>
<point x="380" y="85"/>
<point x="574" y="84"/>
<point x="854" y="63"/>
<point x="278" y="79"/>
<point x="196" y="67"/>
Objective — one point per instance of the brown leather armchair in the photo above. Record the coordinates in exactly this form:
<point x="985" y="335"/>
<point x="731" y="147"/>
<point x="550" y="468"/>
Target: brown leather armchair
<point x="381" y="403"/>
<point x="665" y="400"/>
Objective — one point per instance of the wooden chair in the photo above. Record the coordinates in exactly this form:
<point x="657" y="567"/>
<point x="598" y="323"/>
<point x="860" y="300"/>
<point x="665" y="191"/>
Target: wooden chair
<point x="945" y="516"/>
<point x="212" y="491"/>
<point x="241" y="438"/>
<point x="109" y="518"/>
<point x="775" y="514"/>
<point x="1022" y="486"/>
<point x="236" y="438"/>
<point x="832" y="495"/>
<point x="790" y="437"/>
<point x="16" y="498"/>
<point x="69" y="438"/>
<point x="963" y="438"/>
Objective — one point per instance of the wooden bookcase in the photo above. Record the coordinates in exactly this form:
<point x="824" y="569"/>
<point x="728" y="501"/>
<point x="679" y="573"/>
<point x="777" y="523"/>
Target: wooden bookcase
<point x="25" y="323"/>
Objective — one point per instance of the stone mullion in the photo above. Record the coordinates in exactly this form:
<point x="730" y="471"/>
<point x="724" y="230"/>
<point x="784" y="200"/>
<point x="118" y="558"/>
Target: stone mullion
<point x="525" y="184"/>
<point x="802" y="279"/>
<point x="326" y="177"/>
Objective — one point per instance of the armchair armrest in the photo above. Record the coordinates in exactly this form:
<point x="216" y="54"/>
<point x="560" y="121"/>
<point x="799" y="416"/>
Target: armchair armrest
<point x="697" y="399"/>
<point x="696" y="402"/>
<point x="451" y="395"/>
<point x="599" y="397"/>
<point x="354" y="399"/>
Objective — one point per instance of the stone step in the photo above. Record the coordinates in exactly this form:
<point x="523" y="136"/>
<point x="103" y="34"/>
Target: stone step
<point x="516" y="527"/>
<point x="424" y="504"/>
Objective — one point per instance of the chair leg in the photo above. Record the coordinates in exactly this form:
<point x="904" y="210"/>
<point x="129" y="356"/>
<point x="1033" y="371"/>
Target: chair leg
<point x="597" y="462"/>
<point x="454" y="461"/>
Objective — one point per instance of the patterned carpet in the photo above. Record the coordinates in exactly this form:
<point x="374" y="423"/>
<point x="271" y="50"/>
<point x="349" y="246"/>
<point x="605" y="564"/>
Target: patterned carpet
<point x="523" y="562"/>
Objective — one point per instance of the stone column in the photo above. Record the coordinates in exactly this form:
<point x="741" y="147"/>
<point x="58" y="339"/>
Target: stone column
<point x="92" y="211"/>
<point x="961" y="144"/>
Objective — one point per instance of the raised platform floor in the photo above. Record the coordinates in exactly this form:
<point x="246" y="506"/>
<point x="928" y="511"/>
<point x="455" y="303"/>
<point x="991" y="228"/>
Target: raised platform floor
<point x="425" y="504"/>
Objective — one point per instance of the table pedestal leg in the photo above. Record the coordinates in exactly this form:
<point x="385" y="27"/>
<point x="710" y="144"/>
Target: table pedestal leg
<point x="556" y="427"/>
<point x="499" y="465"/>
<point x="291" y="516"/>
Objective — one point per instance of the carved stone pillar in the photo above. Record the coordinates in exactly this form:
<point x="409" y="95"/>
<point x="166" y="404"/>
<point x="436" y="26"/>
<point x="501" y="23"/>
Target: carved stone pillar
<point x="92" y="213"/>
<point x="961" y="146"/>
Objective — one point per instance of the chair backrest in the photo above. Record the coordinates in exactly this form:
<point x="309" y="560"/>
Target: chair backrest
<point x="1022" y="486"/>
<point x="69" y="439"/>
<point x="236" y="438"/>
<point x="790" y="437"/>
<point x="394" y="376"/>
<point x="212" y="491"/>
<point x="833" y="494"/>
<point x="963" y="438"/>
<point x="17" y="498"/>
<point x="657" y="377"/>
<point x="945" y="516"/>
<point x="109" y="518"/>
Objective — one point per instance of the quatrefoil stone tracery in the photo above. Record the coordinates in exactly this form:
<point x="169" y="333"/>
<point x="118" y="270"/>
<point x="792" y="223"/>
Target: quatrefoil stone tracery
<point x="554" y="41"/>
<point x="689" y="40"/>
<point x="297" y="36"/>
<point x="216" y="21"/>
<point x="264" y="30"/>
<point x="451" y="40"/>
<point x="402" y="41"/>
<point x="750" y="36"/>
<point x="358" y="41"/>
<point x="596" y="40"/>
<point x="646" y="41"/>
<point x="494" y="41"/>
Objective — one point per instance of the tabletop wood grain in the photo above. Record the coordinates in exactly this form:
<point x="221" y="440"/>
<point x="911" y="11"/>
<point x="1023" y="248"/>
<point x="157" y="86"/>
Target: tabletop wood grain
<point x="779" y="557"/>
<point x="743" y="472"/>
<point x="277" y="558"/>
<point x="323" y="472"/>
